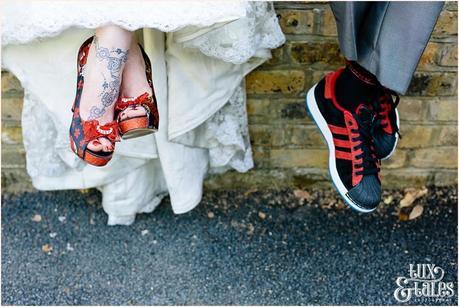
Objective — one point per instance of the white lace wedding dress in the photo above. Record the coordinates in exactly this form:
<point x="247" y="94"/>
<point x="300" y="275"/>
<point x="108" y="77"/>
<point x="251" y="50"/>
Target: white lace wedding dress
<point x="200" y="53"/>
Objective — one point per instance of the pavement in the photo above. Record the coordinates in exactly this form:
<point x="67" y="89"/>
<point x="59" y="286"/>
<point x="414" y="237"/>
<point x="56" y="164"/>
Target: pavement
<point x="237" y="247"/>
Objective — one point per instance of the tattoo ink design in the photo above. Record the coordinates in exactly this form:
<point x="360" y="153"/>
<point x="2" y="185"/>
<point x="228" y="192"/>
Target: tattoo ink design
<point x="115" y="58"/>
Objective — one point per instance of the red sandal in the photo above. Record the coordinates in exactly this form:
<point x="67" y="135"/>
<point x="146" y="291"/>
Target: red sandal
<point x="82" y="132"/>
<point x="137" y="126"/>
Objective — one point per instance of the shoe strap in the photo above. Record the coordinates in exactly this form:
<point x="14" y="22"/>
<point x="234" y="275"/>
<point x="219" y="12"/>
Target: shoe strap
<point x="82" y="57"/>
<point x="144" y="100"/>
<point x="93" y="129"/>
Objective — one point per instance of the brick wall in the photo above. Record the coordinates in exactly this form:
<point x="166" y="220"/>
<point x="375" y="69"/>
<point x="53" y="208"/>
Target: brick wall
<point x="288" y="148"/>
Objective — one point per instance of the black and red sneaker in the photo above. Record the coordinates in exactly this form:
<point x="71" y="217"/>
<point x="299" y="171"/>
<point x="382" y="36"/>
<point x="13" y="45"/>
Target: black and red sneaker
<point x="387" y="123"/>
<point x="353" y="165"/>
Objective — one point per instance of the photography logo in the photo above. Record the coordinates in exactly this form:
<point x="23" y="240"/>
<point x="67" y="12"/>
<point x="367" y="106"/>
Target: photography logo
<point x="424" y="281"/>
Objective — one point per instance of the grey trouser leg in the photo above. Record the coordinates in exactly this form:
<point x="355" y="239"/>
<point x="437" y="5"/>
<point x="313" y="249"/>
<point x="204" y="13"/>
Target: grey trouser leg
<point x="386" y="38"/>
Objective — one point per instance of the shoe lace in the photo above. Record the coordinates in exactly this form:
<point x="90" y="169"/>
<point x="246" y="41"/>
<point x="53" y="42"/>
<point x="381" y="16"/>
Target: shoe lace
<point x="365" y="142"/>
<point x="385" y="98"/>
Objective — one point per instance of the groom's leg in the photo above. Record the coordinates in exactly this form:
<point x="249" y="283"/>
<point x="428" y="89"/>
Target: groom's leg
<point x="386" y="38"/>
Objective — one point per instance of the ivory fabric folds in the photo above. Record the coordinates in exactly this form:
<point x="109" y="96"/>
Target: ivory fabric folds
<point x="200" y="54"/>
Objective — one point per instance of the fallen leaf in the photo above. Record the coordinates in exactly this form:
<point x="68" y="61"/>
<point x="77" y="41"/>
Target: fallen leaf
<point x="416" y="212"/>
<point x="144" y="232"/>
<point x="251" y="229"/>
<point x="261" y="215"/>
<point x="403" y="216"/>
<point x="69" y="247"/>
<point x="210" y="215"/>
<point x="47" y="248"/>
<point x="248" y="192"/>
<point x="340" y="205"/>
<point x="388" y="199"/>
<point x="300" y="194"/>
<point x="61" y="219"/>
<point x="411" y="195"/>
<point x="36" y="218"/>
<point x="53" y="234"/>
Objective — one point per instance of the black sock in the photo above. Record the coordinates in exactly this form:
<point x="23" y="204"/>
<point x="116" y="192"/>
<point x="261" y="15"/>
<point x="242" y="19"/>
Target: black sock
<point x="354" y="86"/>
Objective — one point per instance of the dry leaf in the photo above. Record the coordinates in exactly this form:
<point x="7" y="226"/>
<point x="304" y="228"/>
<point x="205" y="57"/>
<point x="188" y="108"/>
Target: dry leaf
<point x="340" y="205"/>
<point x="248" y="192"/>
<point x="416" y="212"/>
<point x="411" y="196"/>
<point x="36" y="218"/>
<point x="261" y="215"/>
<point x="61" y="219"/>
<point x="403" y="216"/>
<point x="210" y="215"/>
<point x="251" y="229"/>
<point x="47" y="248"/>
<point x="144" y="232"/>
<point x="53" y="234"/>
<point x="388" y="199"/>
<point x="300" y="194"/>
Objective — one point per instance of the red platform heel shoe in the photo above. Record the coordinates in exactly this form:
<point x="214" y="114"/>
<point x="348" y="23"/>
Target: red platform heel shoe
<point x="144" y="124"/>
<point x="83" y="132"/>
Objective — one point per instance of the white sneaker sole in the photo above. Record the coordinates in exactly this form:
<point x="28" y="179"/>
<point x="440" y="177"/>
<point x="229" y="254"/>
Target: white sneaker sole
<point x="323" y="126"/>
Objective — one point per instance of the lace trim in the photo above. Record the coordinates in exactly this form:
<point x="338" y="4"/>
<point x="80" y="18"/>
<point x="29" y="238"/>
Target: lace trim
<point x="43" y="145"/>
<point x="228" y="136"/>
<point x="225" y="135"/>
<point x="240" y="40"/>
<point x="25" y="21"/>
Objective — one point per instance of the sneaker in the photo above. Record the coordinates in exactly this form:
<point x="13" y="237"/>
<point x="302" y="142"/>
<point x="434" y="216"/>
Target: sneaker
<point x="387" y="123"/>
<point x="353" y="165"/>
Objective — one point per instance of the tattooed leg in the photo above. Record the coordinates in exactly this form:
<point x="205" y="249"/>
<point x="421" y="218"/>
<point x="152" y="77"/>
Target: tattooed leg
<point x="103" y="76"/>
<point x="134" y="81"/>
<point x="113" y="60"/>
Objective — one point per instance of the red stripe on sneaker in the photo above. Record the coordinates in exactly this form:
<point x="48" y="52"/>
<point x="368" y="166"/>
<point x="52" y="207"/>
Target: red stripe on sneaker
<point x="342" y="143"/>
<point x="338" y="130"/>
<point x="343" y="155"/>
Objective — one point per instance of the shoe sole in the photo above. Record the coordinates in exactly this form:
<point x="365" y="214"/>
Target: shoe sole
<point x="90" y="157"/>
<point x="326" y="133"/>
<point x="135" y="133"/>
<point x="396" y="137"/>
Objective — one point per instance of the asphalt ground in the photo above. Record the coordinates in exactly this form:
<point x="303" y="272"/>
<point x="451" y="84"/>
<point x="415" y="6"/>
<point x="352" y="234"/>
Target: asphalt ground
<point x="237" y="247"/>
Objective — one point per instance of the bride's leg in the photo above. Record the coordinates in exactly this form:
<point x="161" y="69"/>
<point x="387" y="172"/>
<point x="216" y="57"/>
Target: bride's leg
<point x="134" y="82"/>
<point x="103" y="75"/>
